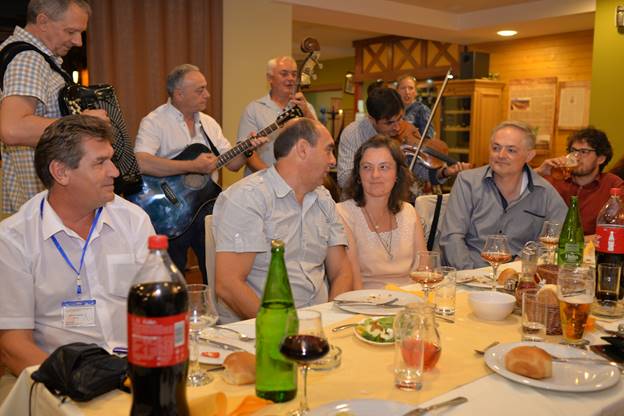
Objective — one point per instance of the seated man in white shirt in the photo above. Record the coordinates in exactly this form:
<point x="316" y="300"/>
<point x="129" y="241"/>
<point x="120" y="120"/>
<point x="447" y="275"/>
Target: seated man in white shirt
<point x="69" y="255"/>
<point x="286" y="202"/>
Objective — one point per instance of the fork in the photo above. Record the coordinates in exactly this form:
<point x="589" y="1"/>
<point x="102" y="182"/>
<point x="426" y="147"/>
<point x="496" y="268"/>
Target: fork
<point x="363" y="302"/>
<point x="483" y="351"/>
<point x="241" y="336"/>
<point x="423" y="410"/>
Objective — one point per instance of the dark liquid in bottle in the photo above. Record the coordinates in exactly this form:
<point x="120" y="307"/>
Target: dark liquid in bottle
<point x="158" y="390"/>
<point x="304" y="348"/>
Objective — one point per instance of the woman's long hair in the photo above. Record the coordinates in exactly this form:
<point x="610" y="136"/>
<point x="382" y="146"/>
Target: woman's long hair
<point x="400" y="190"/>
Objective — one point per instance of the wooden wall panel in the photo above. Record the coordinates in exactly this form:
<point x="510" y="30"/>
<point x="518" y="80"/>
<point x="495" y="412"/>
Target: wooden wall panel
<point x="567" y="56"/>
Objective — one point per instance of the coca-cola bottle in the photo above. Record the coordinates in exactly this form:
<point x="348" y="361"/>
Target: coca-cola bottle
<point x="610" y="233"/>
<point x="158" y="329"/>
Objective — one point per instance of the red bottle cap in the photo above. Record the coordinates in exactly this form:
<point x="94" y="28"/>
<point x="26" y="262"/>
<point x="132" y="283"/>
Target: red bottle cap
<point x="615" y="191"/>
<point x="158" y="242"/>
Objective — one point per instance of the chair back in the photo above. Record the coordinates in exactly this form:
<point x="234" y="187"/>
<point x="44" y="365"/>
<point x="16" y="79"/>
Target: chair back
<point x="226" y="315"/>
<point x="426" y="208"/>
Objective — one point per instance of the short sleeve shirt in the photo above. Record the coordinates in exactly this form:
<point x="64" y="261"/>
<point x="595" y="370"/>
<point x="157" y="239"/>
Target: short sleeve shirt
<point x="27" y="75"/>
<point x="261" y="208"/>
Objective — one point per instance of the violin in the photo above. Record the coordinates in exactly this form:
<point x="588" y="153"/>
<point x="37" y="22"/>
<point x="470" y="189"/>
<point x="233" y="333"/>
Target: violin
<point x="433" y="152"/>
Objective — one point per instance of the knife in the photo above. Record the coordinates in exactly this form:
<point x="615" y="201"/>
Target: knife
<point x="223" y="345"/>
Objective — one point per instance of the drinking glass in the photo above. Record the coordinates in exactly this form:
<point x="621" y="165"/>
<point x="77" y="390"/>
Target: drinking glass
<point x="427" y="270"/>
<point x="496" y="252"/>
<point x="307" y="344"/>
<point x="576" y="287"/>
<point x="445" y="292"/>
<point x="202" y="314"/>
<point x="564" y="170"/>
<point x="549" y="237"/>
<point x="534" y="316"/>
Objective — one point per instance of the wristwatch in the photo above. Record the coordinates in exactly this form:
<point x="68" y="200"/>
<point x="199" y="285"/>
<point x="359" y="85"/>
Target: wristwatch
<point x="248" y="153"/>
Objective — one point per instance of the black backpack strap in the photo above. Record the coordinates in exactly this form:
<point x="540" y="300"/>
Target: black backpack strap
<point x="434" y="223"/>
<point x="11" y="50"/>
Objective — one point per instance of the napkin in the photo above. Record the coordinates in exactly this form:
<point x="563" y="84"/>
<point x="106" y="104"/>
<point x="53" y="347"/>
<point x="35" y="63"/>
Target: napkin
<point x="211" y="405"/>
<point x="250" y="405"/>
<point x="216" y="405"/>
<point x="392" y="286"/>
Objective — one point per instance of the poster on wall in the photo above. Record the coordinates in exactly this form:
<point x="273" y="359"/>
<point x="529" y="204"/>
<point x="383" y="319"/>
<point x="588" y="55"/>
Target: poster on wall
<point x="534" y="101"/>
<point x="574" y="105"/>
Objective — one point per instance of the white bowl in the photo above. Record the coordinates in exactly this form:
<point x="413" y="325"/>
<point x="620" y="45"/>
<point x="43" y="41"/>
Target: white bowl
<point x="491" y="306"/>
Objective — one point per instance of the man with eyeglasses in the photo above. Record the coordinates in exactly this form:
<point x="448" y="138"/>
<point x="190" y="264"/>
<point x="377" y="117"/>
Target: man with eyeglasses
<point x="385" y="112"/>
<point x="592" y="150"/>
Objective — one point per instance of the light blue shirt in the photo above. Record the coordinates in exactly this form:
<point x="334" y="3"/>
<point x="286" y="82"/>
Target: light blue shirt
<point x="263" y="207"/>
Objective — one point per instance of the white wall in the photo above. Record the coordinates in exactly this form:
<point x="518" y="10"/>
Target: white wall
<point x="253" y="32"/>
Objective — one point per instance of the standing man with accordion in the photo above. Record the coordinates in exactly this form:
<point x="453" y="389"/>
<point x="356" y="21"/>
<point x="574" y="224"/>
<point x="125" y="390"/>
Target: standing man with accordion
<point x="31" y="76"/>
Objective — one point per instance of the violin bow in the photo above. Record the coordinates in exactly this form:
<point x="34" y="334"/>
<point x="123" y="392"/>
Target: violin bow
<point x="433" y="110"/>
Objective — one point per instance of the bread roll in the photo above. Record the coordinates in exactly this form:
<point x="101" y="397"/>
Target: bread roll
<point x="240" y="368"/>
<point x="507" y="274"/>
<point x="530" y="362"/>
<point x="548" y="295"/>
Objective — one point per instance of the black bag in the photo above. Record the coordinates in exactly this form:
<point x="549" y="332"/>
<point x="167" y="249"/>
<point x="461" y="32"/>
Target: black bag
<point x="81" y="371"/>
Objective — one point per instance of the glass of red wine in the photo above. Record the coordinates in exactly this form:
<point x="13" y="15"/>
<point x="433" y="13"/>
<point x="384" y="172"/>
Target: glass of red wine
<point x="496" y="252"/>
<point x="306" y="345"/>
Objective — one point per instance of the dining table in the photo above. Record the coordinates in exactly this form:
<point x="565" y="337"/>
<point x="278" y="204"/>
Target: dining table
<point x="366" y="373"/>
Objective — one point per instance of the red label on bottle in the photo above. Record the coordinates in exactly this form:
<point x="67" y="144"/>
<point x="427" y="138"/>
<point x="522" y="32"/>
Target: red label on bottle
<point x="610" y="239"/>
<point x="157" y="342"/>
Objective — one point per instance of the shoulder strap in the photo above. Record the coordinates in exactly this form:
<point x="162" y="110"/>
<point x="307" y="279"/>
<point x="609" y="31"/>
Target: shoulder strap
<point x="213" y="148"/>
<point x="434" y="223"/>
<point x="11" y="50"/>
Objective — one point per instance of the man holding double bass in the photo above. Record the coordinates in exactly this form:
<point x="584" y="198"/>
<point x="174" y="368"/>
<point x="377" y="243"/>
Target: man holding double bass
<point x="282" y="77"/>
<point x="30" y="88"/>
<point x="168" y="131"/>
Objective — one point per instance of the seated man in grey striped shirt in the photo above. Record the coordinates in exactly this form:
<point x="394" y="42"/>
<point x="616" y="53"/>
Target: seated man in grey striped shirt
<point x="504" y="197"/>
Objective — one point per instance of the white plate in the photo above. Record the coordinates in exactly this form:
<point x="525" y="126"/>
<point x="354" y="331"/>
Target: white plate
<point x="205" y="347"/>
<point x="361" y="407"/>
<point x="481" y="278"/>
<point x="368" y="341"/>
<point x="578" y="377"/>
<point x="375" y="296"/>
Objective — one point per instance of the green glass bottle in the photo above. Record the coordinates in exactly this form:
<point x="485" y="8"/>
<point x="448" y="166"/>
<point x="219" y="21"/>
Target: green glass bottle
<point x="276" y="376"/>
<point x="571" y="239"/>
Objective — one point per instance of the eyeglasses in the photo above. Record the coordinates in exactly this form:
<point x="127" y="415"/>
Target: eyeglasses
<point x="391" y="122"/>
<point x="583" y="151"/>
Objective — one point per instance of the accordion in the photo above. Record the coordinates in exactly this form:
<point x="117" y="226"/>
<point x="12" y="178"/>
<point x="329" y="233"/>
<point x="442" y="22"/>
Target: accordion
<point x="76" y="98"/>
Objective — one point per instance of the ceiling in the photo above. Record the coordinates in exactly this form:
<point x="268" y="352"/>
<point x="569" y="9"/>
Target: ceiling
<point x="336" y="24"/>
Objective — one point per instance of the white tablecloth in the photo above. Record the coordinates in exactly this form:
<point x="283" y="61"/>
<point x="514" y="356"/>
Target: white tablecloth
<point x="490" y="395"/>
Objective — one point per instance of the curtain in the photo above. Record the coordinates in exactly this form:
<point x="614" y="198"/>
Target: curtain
<point x="133" y="45"/>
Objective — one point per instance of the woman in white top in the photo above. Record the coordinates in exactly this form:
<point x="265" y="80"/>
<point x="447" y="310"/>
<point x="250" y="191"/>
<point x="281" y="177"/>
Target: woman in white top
<point x="383" y="231"/>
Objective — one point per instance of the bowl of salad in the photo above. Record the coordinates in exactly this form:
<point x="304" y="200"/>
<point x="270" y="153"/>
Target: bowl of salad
<point x="376" y="330"/>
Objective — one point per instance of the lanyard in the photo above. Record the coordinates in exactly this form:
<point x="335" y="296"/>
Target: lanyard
<point x="84" y="249"/>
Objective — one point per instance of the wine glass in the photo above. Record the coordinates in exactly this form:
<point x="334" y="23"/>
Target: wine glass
<point x="496" y="251"/>
<point x="427" y="270"/>
<point x="549" y="237"/>
<point x="202" y="314"/>
<point x="307" y="344"/>
<point x="576" y="287"/>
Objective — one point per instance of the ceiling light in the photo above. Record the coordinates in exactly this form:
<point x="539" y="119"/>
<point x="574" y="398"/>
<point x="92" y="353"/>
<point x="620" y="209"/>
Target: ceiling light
<point x="507" y="32"/>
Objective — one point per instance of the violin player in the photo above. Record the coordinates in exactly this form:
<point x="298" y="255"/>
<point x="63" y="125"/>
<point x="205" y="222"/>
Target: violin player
<point x="385" y="116"/>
